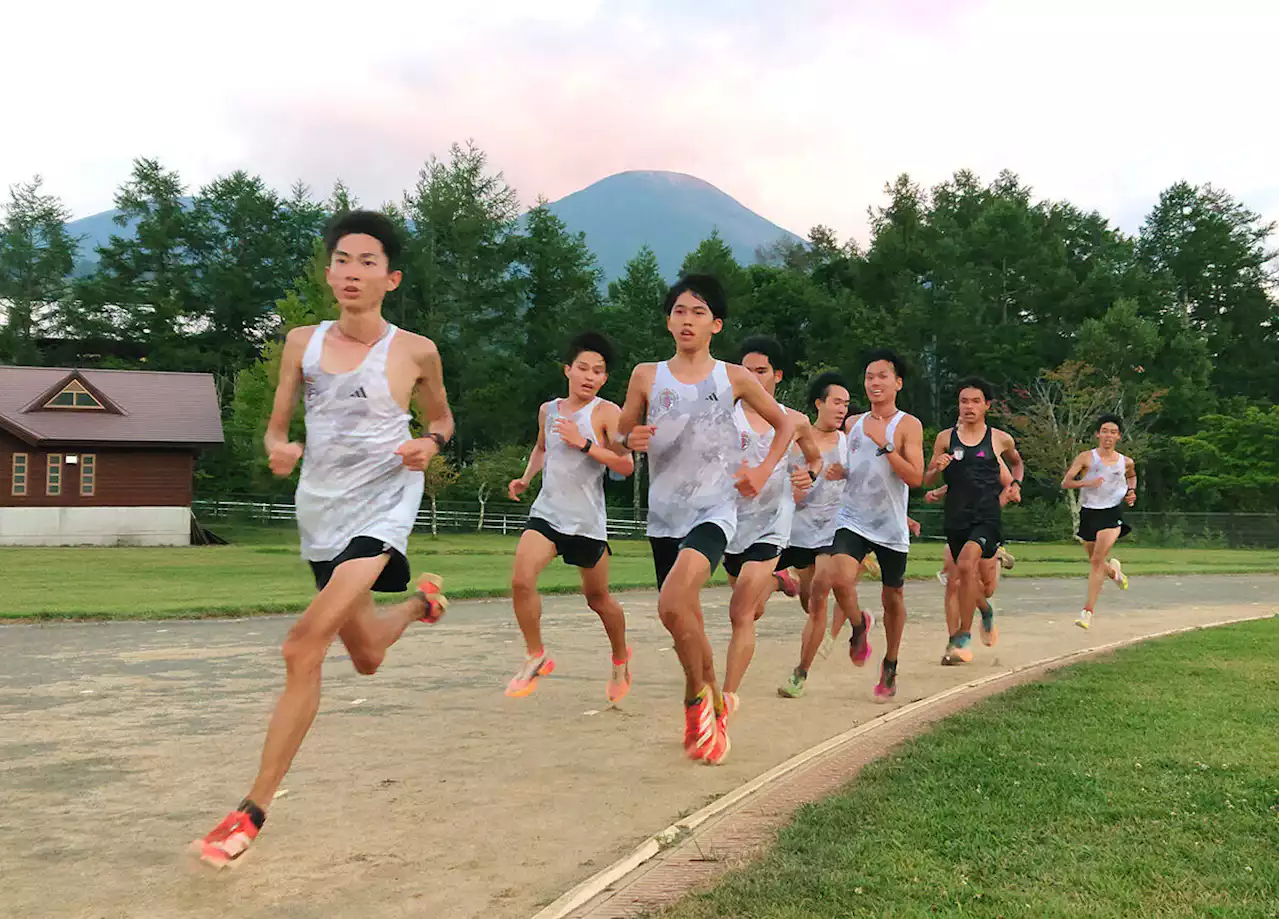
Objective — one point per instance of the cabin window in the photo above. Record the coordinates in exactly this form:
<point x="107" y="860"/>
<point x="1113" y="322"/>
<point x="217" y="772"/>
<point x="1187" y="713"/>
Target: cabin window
<point x="53" y="475"/>
<point x="18" y="486"/>
<point x="73" y="396"/>
<point x="88" y="473"/>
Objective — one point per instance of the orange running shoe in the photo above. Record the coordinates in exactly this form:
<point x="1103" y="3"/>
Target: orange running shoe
<point x="232" y="837"/>
<point x="700" y="725"/>
<point x="526" y="680"/>
<point x="429" y="590"/>
<point x="719" y="748"/>
<point x="619" y="680"/>
<point x="786" y="583"/>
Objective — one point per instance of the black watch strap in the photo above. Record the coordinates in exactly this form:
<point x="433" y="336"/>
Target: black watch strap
<point x="437" y="437"/>
<point x="586" y="448"/>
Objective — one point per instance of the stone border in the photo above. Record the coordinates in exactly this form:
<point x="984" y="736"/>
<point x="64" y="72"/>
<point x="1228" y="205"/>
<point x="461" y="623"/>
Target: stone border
<point x="750" y="814"/>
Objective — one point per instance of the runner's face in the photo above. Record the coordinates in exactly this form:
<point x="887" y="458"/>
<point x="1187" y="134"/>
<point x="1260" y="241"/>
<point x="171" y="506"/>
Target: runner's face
<point x="882" y="382"/>
<point x="759" y="365"/>
<point x="359" y="274"/>
<point x="1109" y="435"/>
<point x="973" y="405"/>
<point x="691" y="323"/>
<point x="586" y="374"/>
<point x="833" y="409"/>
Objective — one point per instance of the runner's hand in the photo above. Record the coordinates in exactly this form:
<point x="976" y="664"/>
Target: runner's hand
<point x="638" y="439"/>
<point x="567" y="431"/>
<point x="284" y="457"/>
<point x="1093" y="483"/>
<point x="940" y="463"/>
<point x="417" y="453"/>
<point x="515" y="488"/>
<point x="913" y="527"/>
<point x="933" y="496"/>
<point x="1131" y="497"/>
<point x="801" y="481"/>
<point x="749" y="480"/>
<point x="835" y="472"/>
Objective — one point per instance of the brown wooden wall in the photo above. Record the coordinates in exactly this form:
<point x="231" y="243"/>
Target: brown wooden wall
<point x="142" y="477"/>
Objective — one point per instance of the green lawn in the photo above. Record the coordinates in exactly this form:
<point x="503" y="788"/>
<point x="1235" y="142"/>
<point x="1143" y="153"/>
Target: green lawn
<point x="261" y="572"/>
<point x="1143" y="785"/>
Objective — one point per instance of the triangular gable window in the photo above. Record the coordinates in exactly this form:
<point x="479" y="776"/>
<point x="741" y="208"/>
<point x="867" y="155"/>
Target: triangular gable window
<point x="75" y="396"/>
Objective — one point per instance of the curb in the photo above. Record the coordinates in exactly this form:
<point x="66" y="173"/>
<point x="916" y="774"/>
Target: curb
<point x="602" y="880"/>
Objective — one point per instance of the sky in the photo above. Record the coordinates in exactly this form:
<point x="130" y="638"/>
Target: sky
<point x="801" y="110"/>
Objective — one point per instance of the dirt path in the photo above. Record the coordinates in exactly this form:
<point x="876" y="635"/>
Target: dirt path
<point x="423" y="791"/>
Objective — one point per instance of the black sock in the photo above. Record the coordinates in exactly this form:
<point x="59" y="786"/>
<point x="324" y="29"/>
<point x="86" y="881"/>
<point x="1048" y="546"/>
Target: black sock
<point x="802" y="673"/>
<point x="890" y="666"/>
<point x="256" y="814"/>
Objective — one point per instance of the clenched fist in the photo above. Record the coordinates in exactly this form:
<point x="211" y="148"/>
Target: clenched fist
<point x="284" y="457"/>
<point x="417" y="453"/>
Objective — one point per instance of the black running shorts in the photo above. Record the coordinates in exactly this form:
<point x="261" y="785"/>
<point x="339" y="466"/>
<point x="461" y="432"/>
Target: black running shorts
<point x="394" y="578"/>
<point x="798" y="558"/>
<point x="579" y="551"/>
<point x="986" y="535"/>
<point x="893" y="564"/>
<point x="756" y="552"/>
<point x="1093" y="520"/>
<point x="706" y="538"/>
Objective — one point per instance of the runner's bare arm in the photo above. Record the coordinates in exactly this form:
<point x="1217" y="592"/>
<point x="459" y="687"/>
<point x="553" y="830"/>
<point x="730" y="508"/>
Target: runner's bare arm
<point x="282" y="454"/>
<point x="907" y="458"/>
<point x="1075" y="470"/>
<point x="1006" y="448"/>
<point x="634" y="408"/>
<point x="1131" y="481"/>
<point x="941" y="456"/>
<point x="747" y="388"/>
<point x="806" y="442"/>
<point x="517" y="486"/>
<point x="604" y="420"/>
<point x="433" y="401"/>
<point x="1006" y="481"/>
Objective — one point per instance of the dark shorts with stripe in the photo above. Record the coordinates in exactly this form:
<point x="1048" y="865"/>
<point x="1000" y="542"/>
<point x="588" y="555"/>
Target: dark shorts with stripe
<point x="579" y="551"/>
<point x="756" y="552"/>
<point x="893" y="564"/>
<point x="987" y="536"/>
<point x="394" y="578"/>
<point x="706" y="538"/>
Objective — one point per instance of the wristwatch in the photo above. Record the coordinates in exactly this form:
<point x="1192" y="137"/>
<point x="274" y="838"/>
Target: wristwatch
<point x="887" y="448"/>
<point x="586" y="448"/>
<point x="437" y="437"/>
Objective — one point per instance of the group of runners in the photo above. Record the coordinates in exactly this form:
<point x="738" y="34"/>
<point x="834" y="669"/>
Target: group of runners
<point x="734" y="478"/>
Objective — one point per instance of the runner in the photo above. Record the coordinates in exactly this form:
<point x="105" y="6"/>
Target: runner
<point x="696" y="472"/>
<point x="358" y="495"/>
<point x="817" y="503"/>
<point x="568" y="517"/>
<point x="988" y="569"/>
<point x="1108" y="482"/>
<point x="968" y="457"/>
<point x="764" y="522"/>
<point x="886" y="459"/>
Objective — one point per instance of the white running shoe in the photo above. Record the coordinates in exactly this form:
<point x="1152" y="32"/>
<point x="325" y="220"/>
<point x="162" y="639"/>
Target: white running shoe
<point x="1120" y="578"/>
<point x="1086" y="619"/>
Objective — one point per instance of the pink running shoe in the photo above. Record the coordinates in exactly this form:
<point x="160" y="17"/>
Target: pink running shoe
<point x="860" y="640"/>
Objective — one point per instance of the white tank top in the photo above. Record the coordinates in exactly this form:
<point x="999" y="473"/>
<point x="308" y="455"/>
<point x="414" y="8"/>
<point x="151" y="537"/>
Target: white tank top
<point x="693" y="454"/>
<point x="766" y="517"/>
<point x="1114" y="485"/>
<point x="352" y="482"/>
<point x="814" y="526"/>
<point x="572" y="495"/>
<point x="875" y="498"/>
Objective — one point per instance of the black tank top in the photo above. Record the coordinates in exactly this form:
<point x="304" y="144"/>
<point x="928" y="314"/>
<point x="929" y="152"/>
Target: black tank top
<point x="973" y="483"/>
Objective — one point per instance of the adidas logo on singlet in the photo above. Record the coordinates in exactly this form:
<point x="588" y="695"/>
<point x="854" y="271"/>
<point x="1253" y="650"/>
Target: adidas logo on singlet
<point x="712" y="397"/>
<point x="358" y="394"/>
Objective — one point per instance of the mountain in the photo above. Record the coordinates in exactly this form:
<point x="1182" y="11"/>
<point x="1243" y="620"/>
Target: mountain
<point x="669" y="211"/>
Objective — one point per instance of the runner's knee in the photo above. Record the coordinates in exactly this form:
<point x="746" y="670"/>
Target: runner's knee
<point x="599" y="601"/>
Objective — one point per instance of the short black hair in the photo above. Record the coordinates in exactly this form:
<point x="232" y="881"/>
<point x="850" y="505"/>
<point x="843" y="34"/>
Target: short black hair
<point x="370" y="223"/>
<point x="1112" y="418"/>
<point x="589" y="341"/>
<point x="977" y="383"/>
<point x="820" y="388"/>
<point x="762" y="344"/>
<point x="705" y="287"/>
<point x="887" y="354"/>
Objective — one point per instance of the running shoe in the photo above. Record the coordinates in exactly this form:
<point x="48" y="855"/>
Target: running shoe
<point x="720" y="746"/>
<point x="860" y="640"/>
<point x="1086" y="618"/>
<point x="871" y="566"/>
<point x="229" y="839"/>
<point x="942" y="576"/>
<point x="987" y="629"/>
<point x="887" y="688"/>
<point x="1006" y="558"/>
<point x="731" y="705"/>
<point x="429" y="590"/>
<point x="700" y="725"/>
<point x="526" y="681"/>
<point x="619" y="680"/>
<point x="786" y="583"/>
<point x="793" y="688"/>
<point x="1121" y="579"/>
<point x="824" y="649"/>
<point x="958" y="651"/>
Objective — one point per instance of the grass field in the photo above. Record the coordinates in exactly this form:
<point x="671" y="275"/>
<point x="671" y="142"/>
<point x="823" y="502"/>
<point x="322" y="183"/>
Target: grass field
<point x="261" y="572"/>
<point x="1143" y="785"/>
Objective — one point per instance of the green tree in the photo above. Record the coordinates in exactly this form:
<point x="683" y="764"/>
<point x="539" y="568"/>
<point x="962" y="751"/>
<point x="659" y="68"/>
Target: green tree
<point x="440" y="476"/>
<point x="36" y="258"/>
<point x="1230" y="462"/>
<point x="633" y="318"/>
<point x="488" y="474"/>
